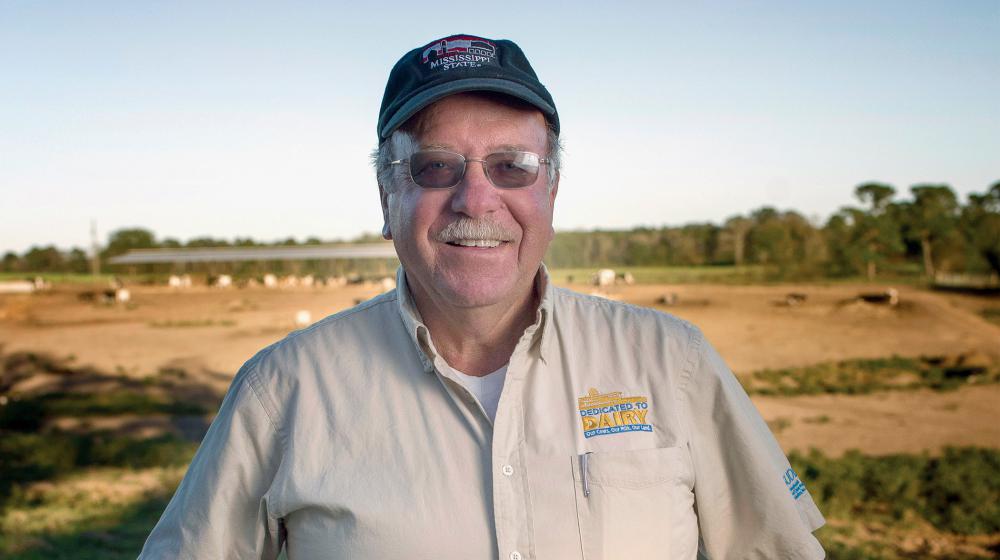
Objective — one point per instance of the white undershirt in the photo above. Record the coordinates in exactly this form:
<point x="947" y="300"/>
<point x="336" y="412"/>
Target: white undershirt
<point x="486" y="388"/>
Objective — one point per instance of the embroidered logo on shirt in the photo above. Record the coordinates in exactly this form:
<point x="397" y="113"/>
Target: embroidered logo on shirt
<point x="795" y="486"/>
<point x="611" y="413"/>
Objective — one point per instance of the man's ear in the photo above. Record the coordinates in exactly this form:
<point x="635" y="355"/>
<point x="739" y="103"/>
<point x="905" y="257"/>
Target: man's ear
<point x="554" y="189"/>
<point x="384" y="198"/>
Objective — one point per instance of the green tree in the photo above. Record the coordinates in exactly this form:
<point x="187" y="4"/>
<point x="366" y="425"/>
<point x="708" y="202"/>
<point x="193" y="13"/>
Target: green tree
<point x="206" y="242"/>
<point x="77" y="261"/>
<point x="124" y="240"/>
<point x="11" y="262"/>
<point x="981" y="225"/>
<point x="877" y="196"/>
<point x="838" y="234"/>
<point x="876" y="235"/>
<point x="786" y="242"/>
<point x="43" y="259"/>
<point x="931" y="220"/>
<point x="736" y="229"/>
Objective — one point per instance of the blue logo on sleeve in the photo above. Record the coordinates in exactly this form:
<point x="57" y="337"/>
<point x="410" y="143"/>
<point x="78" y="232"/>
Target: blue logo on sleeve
<point x="795" y="486"/>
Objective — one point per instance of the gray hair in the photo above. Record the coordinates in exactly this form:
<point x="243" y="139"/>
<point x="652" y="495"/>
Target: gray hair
<point x="401" y="144"/>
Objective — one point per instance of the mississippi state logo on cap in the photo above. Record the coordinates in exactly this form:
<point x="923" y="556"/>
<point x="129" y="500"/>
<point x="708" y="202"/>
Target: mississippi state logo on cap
<point x="459" y="51"/>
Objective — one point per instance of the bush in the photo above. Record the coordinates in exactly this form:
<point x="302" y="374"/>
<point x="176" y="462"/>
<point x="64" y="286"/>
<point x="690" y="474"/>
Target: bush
<point x="962" y="491"/>
<point x="862" y="376"/>
<point x="113" y="403"/>
<point x="22" y="415"/>
<point x="26" y="458"/>
<point x="957" y="492"/>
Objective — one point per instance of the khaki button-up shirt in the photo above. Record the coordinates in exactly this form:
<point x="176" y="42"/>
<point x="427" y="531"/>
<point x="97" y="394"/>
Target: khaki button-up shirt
<point x="620" y="433"/>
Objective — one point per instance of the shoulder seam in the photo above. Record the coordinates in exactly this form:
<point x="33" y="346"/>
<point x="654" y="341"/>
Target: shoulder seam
<point x="695" y="339"/>
<point x="253" y="382"/>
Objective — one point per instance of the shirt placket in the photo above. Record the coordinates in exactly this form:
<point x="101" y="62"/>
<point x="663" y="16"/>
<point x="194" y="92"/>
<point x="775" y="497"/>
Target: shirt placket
<point x="510" y="498"/>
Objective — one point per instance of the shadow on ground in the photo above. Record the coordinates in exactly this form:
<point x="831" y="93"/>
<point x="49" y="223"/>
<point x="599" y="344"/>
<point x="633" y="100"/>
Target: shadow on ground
<point x="66" y="426"/>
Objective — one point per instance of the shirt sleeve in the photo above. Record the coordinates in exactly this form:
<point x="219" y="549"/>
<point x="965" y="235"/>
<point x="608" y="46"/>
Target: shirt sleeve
<point x="750" y="503"/>
<point x="220" y="509"/>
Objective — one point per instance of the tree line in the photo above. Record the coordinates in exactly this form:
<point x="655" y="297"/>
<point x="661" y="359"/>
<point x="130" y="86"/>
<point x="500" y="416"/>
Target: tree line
<point x="931" y="231"/>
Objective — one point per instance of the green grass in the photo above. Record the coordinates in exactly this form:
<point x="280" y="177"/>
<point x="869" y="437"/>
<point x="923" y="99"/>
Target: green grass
<point x="30" y="413"/>
<point x="957" y="492"/>
<point x="882" y="508"/>
<point x="716" y="274"/>
<point x="726" y="274"/>
<point x="97" y="535"/>
<point x="886" y="549"/>
<point x="87" y="493"/>
<point x="58" y="278"/>
<point x="102" y="513"/>
<point x="862" y="376"/>
<point x="670" y="274"/>
<point x="991" y="314"/>
<point x="33" y="457"/>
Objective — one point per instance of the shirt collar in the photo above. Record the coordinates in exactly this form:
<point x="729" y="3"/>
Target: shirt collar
<point x="540" y="332"/>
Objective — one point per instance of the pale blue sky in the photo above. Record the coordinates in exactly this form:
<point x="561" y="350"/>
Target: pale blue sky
<point x="256" y="119"/>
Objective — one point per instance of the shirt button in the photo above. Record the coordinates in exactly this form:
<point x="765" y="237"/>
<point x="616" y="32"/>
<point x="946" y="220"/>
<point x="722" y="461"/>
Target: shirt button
<point x="508" y="470"/>
<point x="515" y="555"/>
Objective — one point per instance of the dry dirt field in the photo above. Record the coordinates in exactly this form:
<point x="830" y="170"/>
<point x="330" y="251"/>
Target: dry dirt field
<point x="208" y="333"/>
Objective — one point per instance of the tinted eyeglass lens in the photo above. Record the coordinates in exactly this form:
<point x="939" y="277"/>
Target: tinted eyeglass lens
<point x="436" y="170"/>
<point x="511" y="170"/>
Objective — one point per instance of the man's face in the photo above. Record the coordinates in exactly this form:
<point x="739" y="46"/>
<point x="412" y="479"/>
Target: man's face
<point x="442" y="269"/>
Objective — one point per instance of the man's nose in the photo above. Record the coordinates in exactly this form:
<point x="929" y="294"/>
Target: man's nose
<point x="475" y="195"/>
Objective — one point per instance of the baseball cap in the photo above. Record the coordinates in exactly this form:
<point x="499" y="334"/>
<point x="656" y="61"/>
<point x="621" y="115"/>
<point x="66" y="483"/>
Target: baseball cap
<point x="456" y="64"/>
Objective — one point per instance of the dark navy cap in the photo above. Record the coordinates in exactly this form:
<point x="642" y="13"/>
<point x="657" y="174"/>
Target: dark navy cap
<point x="456" y="64"/>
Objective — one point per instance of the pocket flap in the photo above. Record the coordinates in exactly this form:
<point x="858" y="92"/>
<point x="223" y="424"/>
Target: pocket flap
<point x="638" y="468"/>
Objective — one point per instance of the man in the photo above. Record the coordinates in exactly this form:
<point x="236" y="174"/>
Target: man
<point x="478" y="411"/>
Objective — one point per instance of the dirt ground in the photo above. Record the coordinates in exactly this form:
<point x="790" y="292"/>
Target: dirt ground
<point x="210" y="332"/>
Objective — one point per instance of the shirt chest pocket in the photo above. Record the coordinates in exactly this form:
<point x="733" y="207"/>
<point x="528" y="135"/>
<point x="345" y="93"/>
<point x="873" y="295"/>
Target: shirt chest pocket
<point x="636" y="503"/>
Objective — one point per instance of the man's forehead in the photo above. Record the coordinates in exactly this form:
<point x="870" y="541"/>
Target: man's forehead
<point x="499" y="106"/>
<point x="500" y="147"/>
<point x="486" y="122"/>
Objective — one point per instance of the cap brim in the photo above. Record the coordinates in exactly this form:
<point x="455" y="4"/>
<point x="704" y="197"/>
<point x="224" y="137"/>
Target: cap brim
<point x="430" y="95"/>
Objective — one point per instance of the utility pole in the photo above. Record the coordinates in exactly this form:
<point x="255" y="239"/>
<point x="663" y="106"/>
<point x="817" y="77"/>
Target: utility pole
<point x="95" y="250"/>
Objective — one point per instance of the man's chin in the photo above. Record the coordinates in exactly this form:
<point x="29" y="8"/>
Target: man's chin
<point x="470" y="291"/>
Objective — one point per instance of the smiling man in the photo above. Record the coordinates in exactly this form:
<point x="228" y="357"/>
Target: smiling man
<point x="471" y="231"/>
<point x="478" y="411"/>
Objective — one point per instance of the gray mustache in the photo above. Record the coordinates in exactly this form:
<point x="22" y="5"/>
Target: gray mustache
<point x="467" y="228"/>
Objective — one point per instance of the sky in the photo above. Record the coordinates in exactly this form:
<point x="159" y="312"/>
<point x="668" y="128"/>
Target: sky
<point x="256" y="119"/>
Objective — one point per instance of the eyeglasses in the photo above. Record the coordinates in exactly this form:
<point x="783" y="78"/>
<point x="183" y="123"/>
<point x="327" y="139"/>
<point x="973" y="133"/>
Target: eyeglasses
<point x="441" y="169"/>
